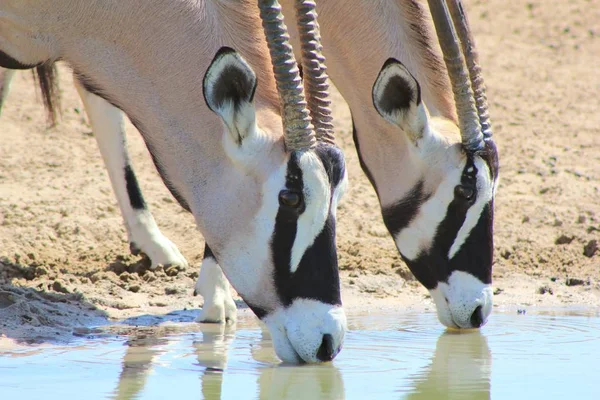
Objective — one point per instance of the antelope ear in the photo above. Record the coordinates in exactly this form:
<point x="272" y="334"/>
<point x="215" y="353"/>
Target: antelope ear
<point x="397" y="98"/>
<point x="229" y="85"/>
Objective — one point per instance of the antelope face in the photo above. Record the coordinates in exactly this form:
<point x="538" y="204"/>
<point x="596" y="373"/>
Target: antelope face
<point x="283" y="261"/>
<point x="443" y="226"/>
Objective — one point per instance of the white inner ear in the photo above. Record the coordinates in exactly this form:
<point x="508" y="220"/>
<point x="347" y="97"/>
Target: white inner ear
<point x="317" y="196"/>
<point x="413" y="119"/>
<point x="240" y="122"/>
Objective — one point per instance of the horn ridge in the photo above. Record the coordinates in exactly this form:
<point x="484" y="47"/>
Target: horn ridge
<point x="468" y="119"/>
<point x="461" y="23"/>
<point x="316" y="84"/>
<point x="297" y="125"/>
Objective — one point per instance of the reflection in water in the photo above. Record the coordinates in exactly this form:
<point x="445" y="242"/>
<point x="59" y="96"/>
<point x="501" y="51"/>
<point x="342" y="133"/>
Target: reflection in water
<point x="553" y="355"/>
<point x="137" y="364"/>
<point x="283" y="382"/>
<point x="461" y="368"/>
<point x="211" y="353"/>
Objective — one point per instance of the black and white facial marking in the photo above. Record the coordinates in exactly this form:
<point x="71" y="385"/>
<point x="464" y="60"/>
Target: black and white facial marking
<point x="304" y="255"/>
<point x="283" y="262"/>
<point x="444" y="232"/>
<point x="303" y="242"/>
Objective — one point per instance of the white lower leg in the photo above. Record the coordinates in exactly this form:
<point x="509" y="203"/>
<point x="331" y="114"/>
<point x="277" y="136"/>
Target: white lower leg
<point x="213" y="286"/>
<point x="109" y="130"/>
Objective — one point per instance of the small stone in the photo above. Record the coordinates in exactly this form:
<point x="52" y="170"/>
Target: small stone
<point x="506" y="254"/>
<point x="172" y="270"/>
<point x="125" y="276"/>
<point x="525" y="219"/>
<point x="545" y="289"/>
<point x="564" y="239"/>
<point x="581" y="219"/>
<point x="574" y="282"/>
<point x="590" y="248"/>
<point x="553" y="279"/>
<point x="171" y="291"/>
<point x="59" y="286"/>
<point x="134" y="288"/>
<point x="497" y="291"/>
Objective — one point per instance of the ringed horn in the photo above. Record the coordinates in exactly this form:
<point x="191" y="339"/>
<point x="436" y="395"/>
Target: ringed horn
<point x="467" y="83"/>
<point x="299" y="134"/>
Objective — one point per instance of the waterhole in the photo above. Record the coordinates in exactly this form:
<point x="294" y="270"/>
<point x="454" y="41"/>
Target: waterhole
<point x="538" y="355"/>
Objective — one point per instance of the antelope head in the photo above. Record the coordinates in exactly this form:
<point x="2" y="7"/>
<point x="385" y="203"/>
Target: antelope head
<point x="443" y="227"/>
<point x="289" y="276"/>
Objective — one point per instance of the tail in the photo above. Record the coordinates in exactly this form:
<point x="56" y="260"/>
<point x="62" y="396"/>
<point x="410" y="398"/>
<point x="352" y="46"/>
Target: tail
<point x="47" y="77"/>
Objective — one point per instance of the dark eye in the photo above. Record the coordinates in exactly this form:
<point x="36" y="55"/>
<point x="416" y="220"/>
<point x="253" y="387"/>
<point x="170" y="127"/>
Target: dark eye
<point x="464" y="192"/>
<point x="290" y="198"/>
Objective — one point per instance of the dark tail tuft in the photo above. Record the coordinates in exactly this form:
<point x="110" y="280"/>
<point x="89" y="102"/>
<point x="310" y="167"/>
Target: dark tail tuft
<point x="47" y="77"/>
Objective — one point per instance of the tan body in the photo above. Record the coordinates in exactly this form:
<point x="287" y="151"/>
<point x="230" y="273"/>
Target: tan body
<point x="226" y="164"/>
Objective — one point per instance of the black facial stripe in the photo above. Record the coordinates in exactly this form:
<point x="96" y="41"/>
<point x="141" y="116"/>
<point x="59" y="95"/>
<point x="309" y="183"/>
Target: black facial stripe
<point x="475" y="254"/>
<point x="8" y="62"/>
<point x="286" y="226"/>
<point x="316" y="276"/>
<point x="400" y="215"/>
<point x="457" y="211"/>
<point x="136" y="199"/>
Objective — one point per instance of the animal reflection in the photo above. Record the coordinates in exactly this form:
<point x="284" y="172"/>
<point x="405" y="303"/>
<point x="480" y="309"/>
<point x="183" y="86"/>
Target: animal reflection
<point x="274" y="381"/>
<point x="461" y="368"/>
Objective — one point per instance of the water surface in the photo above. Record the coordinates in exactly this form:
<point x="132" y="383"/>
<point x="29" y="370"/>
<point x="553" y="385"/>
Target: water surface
<point x="544" y="355"/>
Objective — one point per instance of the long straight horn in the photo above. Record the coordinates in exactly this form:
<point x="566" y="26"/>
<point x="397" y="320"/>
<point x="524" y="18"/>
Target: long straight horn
<point x="472" y="58"/>
<point x="316" y="85"/>
<point x="299" y="133"/>
<point x="468" y="120"/>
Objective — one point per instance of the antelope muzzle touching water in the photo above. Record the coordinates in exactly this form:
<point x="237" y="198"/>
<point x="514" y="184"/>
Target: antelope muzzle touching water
<point x="237" y="148"/>
<point x="443" y="225"/>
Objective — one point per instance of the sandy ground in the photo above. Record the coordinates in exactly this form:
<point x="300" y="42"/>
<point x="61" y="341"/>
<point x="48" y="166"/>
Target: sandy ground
<point x="64" y="256"/>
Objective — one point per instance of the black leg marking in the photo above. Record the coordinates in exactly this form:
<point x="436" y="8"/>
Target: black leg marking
<point x="133" y="190"/>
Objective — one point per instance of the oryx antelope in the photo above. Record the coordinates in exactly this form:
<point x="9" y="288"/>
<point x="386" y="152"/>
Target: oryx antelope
<point x="425" y="142"/>
<point x="410" y="150"/>
<point x="422" y="132"/>
<point x="196" y="80"/>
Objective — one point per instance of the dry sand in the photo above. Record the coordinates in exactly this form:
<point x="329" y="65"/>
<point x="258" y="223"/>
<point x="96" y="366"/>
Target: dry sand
<point x="64" y="256"/>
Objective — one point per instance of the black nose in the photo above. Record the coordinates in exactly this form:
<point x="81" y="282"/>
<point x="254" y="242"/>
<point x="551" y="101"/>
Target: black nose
<point x="477" y="318"/>
<point x="326" y="351"/>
